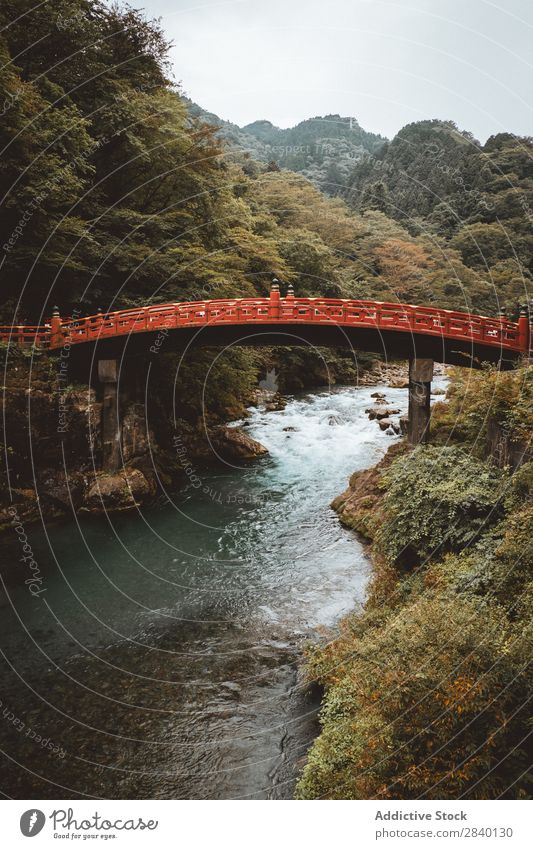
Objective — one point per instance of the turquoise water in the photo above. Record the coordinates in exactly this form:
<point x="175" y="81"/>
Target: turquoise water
<point x="162" y="660"/>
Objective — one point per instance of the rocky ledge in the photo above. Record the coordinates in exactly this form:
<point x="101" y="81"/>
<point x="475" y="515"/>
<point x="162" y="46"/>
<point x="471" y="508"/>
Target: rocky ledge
<point x="358" y="506"/>
<point x="395" y="375"/>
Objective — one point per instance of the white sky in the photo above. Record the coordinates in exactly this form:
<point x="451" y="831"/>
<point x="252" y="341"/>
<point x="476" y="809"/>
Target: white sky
<point x="386" y="62"/>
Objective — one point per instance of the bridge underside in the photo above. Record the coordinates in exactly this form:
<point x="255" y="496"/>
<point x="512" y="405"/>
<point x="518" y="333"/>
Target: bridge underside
<point x="106" y="358"/>
<point x="390" y="344"/>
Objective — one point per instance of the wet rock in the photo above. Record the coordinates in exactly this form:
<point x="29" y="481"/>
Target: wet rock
<point x="438" y="391"/>
<point x="62" y="492"/>
<point x="233" y="444"/>
<point x="378" y="395"/>
<point x="404" y="424"/>
<point x="387" y="424"/>
<point x="276" y="404"/>
<point x="334" y="420"/>
<point x="118" y="491"/>
<point x="23" y="508"/>
<point x="231" y="688"/>
<point x="387" y="413"/>
<point x="381" y="414"/>
<point x="291" y="429"/>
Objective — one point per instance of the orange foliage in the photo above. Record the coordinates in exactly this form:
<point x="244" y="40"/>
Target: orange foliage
<point x="402" y="263"/>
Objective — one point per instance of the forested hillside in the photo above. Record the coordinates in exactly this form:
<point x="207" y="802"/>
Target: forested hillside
<point x="323" y="149"/>
<point x="125" y="198"/>
<point x="473" y="200"/>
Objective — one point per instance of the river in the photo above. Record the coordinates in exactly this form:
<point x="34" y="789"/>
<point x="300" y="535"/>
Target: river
<point x="163" y="658"/>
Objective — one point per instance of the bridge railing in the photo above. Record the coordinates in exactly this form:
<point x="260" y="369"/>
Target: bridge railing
<point x="26" y="335"/>
<point x="374" y="314"/>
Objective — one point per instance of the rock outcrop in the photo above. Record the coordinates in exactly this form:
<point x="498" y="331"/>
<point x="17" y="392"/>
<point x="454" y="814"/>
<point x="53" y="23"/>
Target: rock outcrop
<point x="358" y="506"/>
<point x="232" y="443"/>
<point x="118" y="491"/>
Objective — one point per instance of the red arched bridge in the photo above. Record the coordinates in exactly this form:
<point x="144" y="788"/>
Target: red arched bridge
<point x="394" y="330"/>
<point x="419" y="334"/>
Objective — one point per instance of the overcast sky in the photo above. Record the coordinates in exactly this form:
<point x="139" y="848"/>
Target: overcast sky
<point x="386" y="62"/>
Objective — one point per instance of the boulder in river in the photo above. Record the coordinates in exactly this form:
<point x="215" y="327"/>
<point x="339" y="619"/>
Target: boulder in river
<point x="387" y="424"/>
<point x="232" y="443"/>
<point x="117" y="491"/>
<point x="385" y="414"/>
<point x="372" y="413"/>
<point x="276" y="404"/>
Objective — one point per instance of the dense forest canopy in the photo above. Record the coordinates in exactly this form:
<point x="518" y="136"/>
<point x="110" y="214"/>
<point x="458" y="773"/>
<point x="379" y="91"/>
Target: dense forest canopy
<point x="474" y="200"/>
<point x="115" y="191"/>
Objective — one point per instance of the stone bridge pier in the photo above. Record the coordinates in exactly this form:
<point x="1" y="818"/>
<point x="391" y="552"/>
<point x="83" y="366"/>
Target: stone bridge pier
<point x="124" y="425"/>
<point x="420" y="377"/>
<point x="111" y="425"/>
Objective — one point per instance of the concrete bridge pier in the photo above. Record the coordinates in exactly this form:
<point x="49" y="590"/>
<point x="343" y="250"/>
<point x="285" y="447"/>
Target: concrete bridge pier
<point x="420" y="376"/>
<point x="111" y="436"/>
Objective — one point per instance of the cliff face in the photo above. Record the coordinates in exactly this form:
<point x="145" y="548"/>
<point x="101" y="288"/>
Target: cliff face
<point x="52" y="449"/>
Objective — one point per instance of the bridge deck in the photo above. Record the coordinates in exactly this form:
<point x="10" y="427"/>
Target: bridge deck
<point x="387" y="319"/>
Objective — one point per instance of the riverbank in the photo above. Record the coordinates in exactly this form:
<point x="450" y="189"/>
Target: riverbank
<point x="53" y="439"/>
<point x="426" y="688"/>
<point x="52" y="444"/>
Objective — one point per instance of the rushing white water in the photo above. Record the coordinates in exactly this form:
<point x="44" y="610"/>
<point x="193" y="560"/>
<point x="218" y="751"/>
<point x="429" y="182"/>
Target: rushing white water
<point x="176" y="632"/>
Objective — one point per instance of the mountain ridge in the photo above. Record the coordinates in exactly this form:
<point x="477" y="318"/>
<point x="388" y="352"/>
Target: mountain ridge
<point x="324" y="149"/>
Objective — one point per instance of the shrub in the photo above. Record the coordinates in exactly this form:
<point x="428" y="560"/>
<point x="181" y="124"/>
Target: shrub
<point x="477" y="397"/>
<point x="437" y="499"/>
<point x="429" y="705"/>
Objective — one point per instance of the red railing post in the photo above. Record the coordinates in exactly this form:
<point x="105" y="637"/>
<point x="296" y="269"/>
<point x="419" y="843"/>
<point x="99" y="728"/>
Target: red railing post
<point x="503" y="324"/>
<point x="275" y="299"/>
<point x="523" y="329"/>
<point x="289" y="297"/>
<point x="99" y="321"/>
<point x="56" y="336"/>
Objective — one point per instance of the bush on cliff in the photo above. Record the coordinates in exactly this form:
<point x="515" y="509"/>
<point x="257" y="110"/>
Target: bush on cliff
<point x="477" y="397"/>
<point x="430" y="703"/>
<point x="437" y="500"/>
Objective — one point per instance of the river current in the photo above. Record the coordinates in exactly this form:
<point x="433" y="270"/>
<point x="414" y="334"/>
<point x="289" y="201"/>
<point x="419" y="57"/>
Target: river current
<point x="163" y="659"/>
